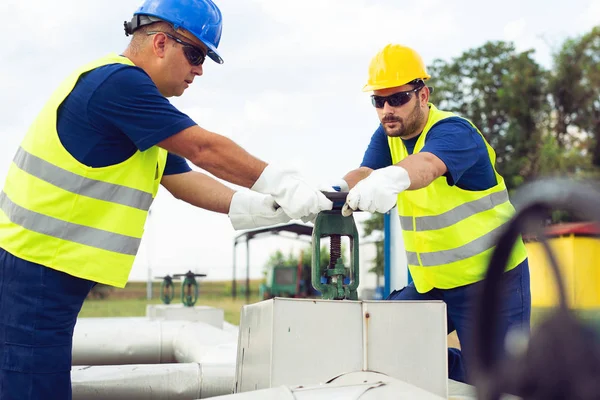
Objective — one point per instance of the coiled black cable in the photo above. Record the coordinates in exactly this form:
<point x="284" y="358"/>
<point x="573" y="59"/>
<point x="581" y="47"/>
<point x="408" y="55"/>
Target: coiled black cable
<point x="562" y="358"/>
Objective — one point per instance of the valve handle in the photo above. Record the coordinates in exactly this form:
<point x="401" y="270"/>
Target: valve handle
<point x="189" y="274"/>
<point x="338" y="199"/>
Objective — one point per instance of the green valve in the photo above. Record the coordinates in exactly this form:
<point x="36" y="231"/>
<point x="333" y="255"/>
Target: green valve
<point x="167" y="290"/>
<point x="335" y="281"/>
<point x="189" y="288"/>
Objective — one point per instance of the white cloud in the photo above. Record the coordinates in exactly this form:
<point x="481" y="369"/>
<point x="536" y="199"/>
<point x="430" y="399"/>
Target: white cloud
<point x="323" y="32"/>
<point x="590" y="16"/>
<point x="514" y="30"/>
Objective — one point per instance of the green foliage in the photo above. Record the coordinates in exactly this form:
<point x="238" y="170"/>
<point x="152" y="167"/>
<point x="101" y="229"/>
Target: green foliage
<point x="277" y="258"/>
<point x="575" y="91"/>
<point x="539" y="122"/>
<point x="503" y="93"/>
<point x="373" y="227"/>
<point x="557" y="160"/>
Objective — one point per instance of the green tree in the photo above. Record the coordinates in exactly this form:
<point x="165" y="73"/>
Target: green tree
<point x="277" y="258"/>
<point x="502" y="92"/>
<point x="575" y="93"/>
<point x="373" y="227"/>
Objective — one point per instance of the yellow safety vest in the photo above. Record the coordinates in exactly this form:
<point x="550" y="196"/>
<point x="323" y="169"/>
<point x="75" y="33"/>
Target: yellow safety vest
<point x="57" y="212"/>
<point x="449" y="232"/>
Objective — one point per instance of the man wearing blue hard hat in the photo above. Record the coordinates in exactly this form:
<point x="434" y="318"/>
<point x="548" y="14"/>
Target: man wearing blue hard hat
<point x="78" y="191"/>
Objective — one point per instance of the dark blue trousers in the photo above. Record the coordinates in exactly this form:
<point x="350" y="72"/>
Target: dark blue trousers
<point x="38" y="311"/>
<point x="515" y="312"/>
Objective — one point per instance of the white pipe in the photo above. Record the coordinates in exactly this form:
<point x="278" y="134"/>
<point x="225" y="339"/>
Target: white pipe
<point x="108" y="341"/>
<point x="141" y="382"/>
<point x="363" y="385"/>
<point x="231" y="328"/>
<point x="194" y="340"/>
<point x="206" y="357"/>
<point x="112" y="341"/>
<point x="217" y="379"/>
<point x="225" y="353"/>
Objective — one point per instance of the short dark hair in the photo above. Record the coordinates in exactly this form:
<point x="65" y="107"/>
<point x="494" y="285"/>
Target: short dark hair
<point x="140" y="35"/>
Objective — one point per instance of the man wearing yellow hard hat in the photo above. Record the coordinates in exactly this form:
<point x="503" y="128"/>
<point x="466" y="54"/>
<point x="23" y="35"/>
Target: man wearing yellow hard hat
<point x="438" y="168"/>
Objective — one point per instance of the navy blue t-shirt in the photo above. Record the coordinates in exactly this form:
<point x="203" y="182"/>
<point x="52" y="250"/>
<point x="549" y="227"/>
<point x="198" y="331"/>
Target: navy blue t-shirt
<point x="115" y="110"/>
<point x="455" y="142"/>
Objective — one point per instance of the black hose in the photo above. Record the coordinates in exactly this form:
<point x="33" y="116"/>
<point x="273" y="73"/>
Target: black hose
<point x="565" y="352"/>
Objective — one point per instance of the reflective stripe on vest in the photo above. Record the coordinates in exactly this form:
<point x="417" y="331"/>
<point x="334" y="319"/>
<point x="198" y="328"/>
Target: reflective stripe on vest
<point x="474" y="247"/>
<point x="58" y="212"/>
<point x="455" y="215"/>
<point x="68" y="231"/>
<point x="449" y="233"/>
<point x="79" y="185"/>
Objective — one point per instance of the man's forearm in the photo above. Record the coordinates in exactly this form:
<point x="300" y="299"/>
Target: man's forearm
<point x="422" y="168"/>
<point x="226" y="160"/>
<point x="354" y="176"/>
<point x="199" y="190"/>
<point x="216" y="154"/>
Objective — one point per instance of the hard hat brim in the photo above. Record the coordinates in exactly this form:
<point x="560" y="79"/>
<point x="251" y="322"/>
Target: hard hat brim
<point x="212" y="53"/>
<point x="387" y="85"/>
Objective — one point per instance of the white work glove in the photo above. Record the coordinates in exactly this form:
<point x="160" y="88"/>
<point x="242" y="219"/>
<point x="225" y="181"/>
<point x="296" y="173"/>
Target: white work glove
<point x="338" y="186"/>
<point x="324" y="188"/>
<point x="342" y="185"/>
<point x="378" y="192"/>
<point x="298" y="198"/>
<point x="250" y="210"/>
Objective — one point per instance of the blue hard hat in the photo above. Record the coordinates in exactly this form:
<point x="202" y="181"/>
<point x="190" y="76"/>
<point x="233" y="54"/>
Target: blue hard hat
<point x="202" y="18"/>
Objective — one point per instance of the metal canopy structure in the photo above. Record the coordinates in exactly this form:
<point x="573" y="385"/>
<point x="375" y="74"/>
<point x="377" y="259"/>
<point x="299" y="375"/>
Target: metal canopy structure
<point x="291" y="231"/>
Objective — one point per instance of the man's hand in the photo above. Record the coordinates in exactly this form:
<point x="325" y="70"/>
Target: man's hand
<point x="378" y="192"/>
<point x="250" y="210"/>
<point x="299" y="198"/>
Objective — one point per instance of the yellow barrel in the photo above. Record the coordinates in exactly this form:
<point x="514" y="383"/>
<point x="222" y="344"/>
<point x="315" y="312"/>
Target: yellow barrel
<point x="577" y="249"/>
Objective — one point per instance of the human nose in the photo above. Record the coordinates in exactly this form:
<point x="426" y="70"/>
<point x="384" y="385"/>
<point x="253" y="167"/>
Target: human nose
<point x="387" y="109"/>
<point x="197" y="70"/>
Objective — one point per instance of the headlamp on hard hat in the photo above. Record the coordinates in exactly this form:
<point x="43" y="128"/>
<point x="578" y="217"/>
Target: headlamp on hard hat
<point x="137" y="22"/>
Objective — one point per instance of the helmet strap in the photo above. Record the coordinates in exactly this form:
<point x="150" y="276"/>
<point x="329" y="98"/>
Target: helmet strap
<point x="137" y="22"/>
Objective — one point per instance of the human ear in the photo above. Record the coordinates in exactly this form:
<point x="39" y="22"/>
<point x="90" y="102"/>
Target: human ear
<point x="159" y="44"/>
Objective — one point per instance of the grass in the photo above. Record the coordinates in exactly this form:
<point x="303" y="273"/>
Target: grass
<point x="137" y="307"/>
<point x="131" y="301"/>
<point x="589" y="317"/>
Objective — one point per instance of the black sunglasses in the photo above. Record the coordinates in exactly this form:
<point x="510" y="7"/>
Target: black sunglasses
<point x="396" y="99"/>
<point x="194" y="54"/>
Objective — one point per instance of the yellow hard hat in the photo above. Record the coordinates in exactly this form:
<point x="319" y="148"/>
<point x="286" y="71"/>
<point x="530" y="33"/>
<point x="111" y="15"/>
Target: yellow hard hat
<point x="393" y="66"/>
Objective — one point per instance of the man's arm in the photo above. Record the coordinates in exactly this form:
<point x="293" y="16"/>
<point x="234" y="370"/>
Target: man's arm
<point x="246" y="209"/>
<point x="447" y="141"/>
<point x="422" y="168"/>
<point x="225" y="159"/>
<point x="216" y="154"/>
<point x="357" y="175"/>
<point x="130" y="102"/>
<point x="379" y="190"/>
<point x="199" y="190"/>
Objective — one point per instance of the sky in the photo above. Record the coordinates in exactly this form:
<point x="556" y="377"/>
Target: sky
<point x="289" y="91"/>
